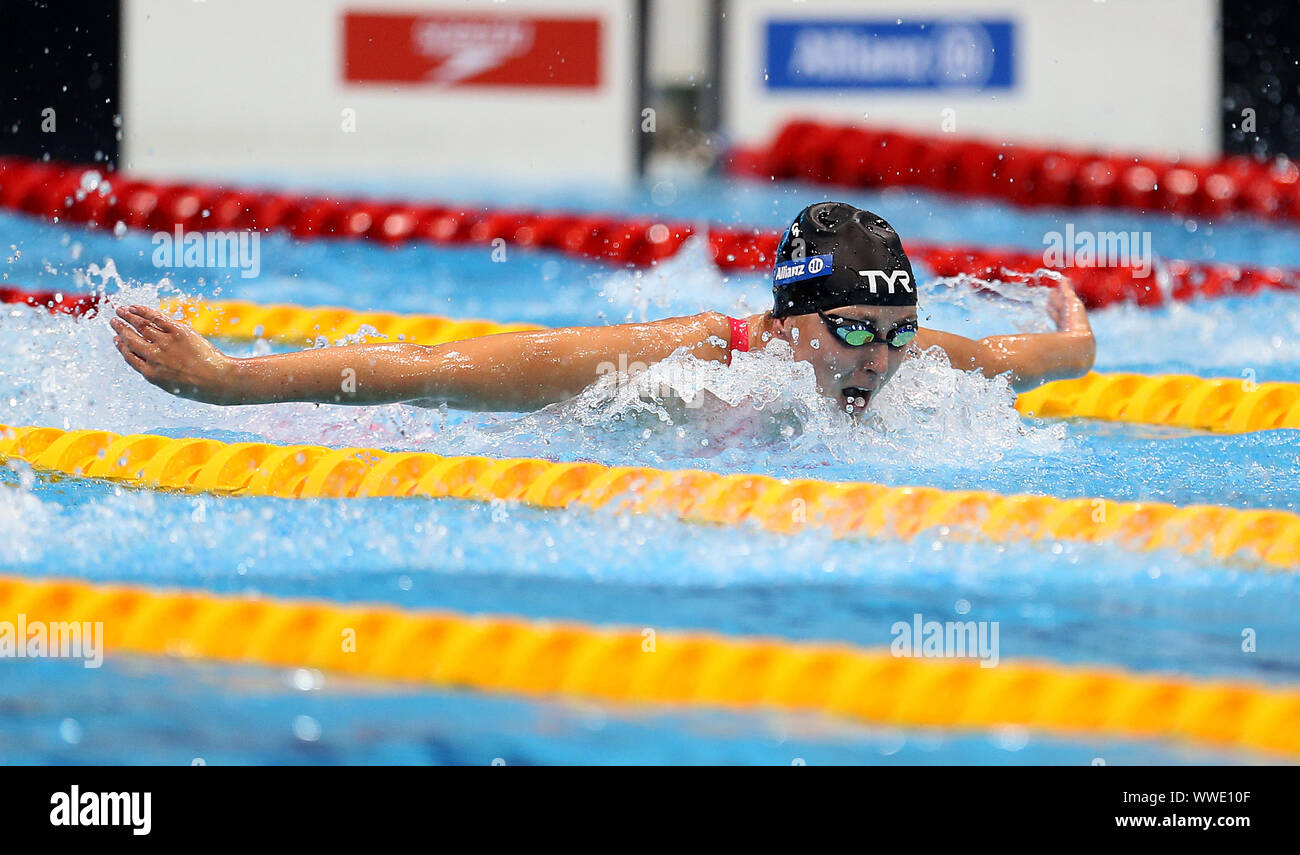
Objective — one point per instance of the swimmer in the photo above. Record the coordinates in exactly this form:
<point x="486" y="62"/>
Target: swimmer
<point x="844" y="300"/>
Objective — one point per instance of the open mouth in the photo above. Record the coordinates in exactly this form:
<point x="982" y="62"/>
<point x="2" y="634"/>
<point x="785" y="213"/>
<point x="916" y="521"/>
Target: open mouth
<point x="855" y="397"/>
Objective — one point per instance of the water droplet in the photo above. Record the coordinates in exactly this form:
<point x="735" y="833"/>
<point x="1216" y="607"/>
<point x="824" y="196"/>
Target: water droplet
<point x="70" y="731"/>
<point x="306" y="728"/>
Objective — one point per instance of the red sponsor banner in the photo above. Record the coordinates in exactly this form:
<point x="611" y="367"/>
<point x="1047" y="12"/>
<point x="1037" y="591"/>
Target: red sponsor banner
<point x="450" y="50"/>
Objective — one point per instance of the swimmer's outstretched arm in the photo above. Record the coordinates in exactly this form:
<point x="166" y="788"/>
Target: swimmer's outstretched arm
<point x="511" y="371"/>
<point x="1032" y="359"/>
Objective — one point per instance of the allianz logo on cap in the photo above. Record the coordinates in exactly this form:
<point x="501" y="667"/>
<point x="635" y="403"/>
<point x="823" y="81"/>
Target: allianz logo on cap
<point x="890" y="278"/>
<point x="803" y="268"/>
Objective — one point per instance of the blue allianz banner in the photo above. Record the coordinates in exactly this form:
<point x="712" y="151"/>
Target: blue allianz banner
<point x="856" y="54"/>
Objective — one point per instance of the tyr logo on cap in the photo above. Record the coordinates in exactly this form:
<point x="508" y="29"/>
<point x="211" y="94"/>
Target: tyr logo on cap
<point x="890" y="277"/>
<point x="803" y="268"/>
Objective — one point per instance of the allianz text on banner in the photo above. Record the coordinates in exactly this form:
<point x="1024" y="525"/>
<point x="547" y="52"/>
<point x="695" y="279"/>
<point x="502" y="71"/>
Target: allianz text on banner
<point x="849" y="54"/>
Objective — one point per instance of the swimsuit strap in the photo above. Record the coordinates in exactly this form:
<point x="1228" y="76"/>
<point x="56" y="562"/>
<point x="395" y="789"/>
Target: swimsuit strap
<point x="739" y="336"/>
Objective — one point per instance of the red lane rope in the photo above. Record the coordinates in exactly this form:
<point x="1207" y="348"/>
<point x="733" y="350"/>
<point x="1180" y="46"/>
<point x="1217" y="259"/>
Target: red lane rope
<point x="56" y="192"/>
<point x="56" y="301"/>
<point x="857" y="156"/>
<point x="1169" y="279"/>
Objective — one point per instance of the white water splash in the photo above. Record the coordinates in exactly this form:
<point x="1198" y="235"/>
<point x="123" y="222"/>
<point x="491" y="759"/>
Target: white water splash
<point x="764" y="411"/>
<point x="976" y="307"/>
<point x="686" y="283"/>
<point x="25" y="521"/>
<point x="931" y="411"/>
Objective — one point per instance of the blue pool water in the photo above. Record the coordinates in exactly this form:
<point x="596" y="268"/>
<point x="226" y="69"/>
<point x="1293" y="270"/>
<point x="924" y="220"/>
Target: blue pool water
<point x="1095" y="605"/>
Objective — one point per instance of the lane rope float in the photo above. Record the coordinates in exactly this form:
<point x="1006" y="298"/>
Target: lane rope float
<point x="571" y="660"/>
<point x="65" y="193"/>
<point x="241" y="320"/>
<point x="856" y="156"/>
<point x="1225" y="405"/>
<point x="784" y="506"/>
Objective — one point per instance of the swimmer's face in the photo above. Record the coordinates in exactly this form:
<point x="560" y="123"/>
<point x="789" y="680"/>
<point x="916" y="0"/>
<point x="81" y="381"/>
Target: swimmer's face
<point x="848" y="375"/>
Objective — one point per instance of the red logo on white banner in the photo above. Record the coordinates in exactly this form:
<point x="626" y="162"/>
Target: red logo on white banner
<point x="447" y="50"/>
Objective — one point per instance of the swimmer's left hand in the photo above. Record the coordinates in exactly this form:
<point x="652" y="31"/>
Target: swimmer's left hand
<point x="1031" y="359"/>
<point x="1074" y="348"/>
<point x="1067" y="310"/>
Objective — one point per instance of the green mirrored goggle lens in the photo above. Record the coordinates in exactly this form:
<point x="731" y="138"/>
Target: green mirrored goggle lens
<point x="855" y="336"/>
<point x="903" y="337"/>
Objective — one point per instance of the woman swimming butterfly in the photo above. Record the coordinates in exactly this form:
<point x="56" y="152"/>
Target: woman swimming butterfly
<point x="841" y="277"/>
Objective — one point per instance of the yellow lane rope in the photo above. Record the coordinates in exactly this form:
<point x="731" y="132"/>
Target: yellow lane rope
<point x="1177" y="400"/>
<point x="783" y="506"/>
<point x="538" y="658"/>
<point x="241" y="320"/>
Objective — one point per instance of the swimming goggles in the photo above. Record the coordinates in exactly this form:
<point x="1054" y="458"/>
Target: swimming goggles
<point x="857" y="333"/>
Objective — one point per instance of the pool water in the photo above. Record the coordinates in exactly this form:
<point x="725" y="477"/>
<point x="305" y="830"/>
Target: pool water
<point x="1095" y="605"/>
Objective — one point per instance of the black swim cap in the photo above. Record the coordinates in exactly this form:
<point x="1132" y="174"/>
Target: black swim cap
<point x="836" y="255"/>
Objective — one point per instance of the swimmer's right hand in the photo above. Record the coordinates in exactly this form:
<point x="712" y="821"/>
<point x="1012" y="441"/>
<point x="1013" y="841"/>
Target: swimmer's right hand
<point x="172" y="356"/>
